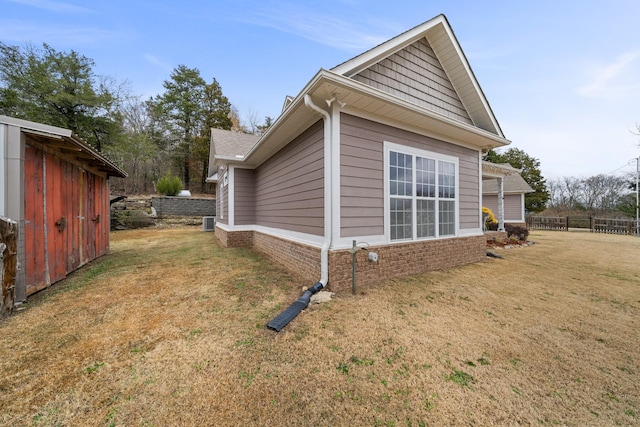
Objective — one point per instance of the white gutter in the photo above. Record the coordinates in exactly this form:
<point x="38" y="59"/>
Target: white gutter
<point x="328" y="205"/>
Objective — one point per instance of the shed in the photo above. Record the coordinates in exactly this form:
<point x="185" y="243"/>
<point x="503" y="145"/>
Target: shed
<point x="56" y="188"/>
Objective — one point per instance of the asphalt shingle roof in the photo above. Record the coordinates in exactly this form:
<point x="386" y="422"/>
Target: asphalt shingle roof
<point x="230" y="143"/>
<point x="511" y="184"/>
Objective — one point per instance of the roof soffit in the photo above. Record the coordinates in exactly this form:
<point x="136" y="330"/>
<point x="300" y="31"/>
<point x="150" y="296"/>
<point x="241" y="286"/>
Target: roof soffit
<point x="357" y="96"/>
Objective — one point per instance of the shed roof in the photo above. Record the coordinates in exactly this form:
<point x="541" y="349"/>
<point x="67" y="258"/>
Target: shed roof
<point x="511" y="184"/>
<point x="67" y="144"/>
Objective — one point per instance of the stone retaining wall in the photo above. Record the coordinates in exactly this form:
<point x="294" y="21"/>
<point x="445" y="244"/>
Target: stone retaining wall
<point x="136" y="212"/>
<point x="183" y="206"/>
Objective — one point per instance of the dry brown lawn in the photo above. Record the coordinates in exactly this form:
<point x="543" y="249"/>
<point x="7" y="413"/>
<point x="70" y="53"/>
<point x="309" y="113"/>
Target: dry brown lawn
<point x="169" y="330"/>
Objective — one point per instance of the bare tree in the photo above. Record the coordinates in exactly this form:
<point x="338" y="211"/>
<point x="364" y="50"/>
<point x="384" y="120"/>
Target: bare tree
<point x="136" y="151"/>
<point x="595" y="193"/>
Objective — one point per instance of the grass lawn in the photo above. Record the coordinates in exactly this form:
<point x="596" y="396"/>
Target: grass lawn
<point x="169" y="330"/>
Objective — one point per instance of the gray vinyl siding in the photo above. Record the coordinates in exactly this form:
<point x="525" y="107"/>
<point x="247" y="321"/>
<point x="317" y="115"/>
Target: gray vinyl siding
<point x="222" y="194"/>
<point x="244" y="201"/>
<point x="361" y="178"/>
<point x="289" y="190"/>
<point x="416" y="75"/>
<point x="513" y="211"/>
<point x="513" y="207"/>
<point x="362" y="174"/>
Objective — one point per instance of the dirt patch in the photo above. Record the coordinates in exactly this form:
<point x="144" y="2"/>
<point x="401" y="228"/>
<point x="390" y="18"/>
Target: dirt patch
<point x="169" y="329"/>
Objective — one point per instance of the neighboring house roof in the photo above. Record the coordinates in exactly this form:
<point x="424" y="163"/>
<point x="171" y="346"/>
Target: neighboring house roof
<point x="65" y="142"/>
<point x="497" y="170"/>
<point x="343" y="86"/>
<point x="511" y="184"/>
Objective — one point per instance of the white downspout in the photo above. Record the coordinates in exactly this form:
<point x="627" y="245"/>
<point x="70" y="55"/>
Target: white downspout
<point x="501" y="204"/>
<point x="328" y="205"/>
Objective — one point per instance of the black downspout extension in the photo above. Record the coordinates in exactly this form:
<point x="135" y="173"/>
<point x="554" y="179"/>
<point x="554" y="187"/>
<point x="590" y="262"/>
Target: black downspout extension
<point x="290" y="313"/>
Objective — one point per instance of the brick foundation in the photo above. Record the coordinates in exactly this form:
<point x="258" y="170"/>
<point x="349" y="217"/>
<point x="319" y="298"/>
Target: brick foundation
<point x="402" y="260"/>
<point x="300" y="259"/>
<point x="393" y="260"/>
<point x="234" y="239"/>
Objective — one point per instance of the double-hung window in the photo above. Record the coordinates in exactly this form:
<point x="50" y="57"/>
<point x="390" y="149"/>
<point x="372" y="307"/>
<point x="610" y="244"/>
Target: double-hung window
<point x="421" y="193"/>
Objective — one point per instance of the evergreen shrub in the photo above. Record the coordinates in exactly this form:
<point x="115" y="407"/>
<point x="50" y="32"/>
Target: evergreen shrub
<point x="169" y="185"/>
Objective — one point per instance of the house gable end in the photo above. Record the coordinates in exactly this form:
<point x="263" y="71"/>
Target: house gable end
<point x="442" y="41"/>
<point x="416" y="75"/>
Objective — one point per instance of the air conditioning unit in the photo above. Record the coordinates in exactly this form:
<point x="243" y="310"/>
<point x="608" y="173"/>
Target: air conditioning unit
<point x="208" y="223"/>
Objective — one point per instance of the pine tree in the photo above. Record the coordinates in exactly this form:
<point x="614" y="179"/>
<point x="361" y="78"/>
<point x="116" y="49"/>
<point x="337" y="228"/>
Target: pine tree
<point x="531" y="173"/>
<point x="59" y="89"/>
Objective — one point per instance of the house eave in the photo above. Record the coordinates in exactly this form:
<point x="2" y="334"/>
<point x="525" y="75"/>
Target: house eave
<point x="379" y="103"/>
<point x="327" y="85"/>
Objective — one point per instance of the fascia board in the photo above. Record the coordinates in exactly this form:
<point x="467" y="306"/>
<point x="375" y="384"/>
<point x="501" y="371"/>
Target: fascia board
<point x="492" y="139"/>
<point x="366" y="59"/>
<point x="451" y="61"/>
<point x="293" y="106"/>
<point x="97" y="156"/>
<point x="330" y="79"/>
<point x="449" y="52"/>
<point x="53" y="132"/>
<point x="227" y="160"/>
<point x="38" y="127"/>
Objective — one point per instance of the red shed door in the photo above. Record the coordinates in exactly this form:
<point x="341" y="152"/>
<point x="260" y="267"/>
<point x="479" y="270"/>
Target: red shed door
<point x="53" y="218"/>
<point x="35" y="253"/>
<point x="67" y="218"/>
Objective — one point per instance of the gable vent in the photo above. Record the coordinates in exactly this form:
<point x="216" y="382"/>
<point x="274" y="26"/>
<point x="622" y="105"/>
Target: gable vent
<point x="208" y="223"/>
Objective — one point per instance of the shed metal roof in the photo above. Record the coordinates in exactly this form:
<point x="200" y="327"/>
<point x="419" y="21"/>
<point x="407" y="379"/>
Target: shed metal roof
<point x="64" y="141"/>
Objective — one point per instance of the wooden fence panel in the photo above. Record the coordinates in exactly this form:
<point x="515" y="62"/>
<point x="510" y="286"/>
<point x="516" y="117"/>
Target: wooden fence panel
<point x="596" y="225"/>
<point x="614" y="226"/>
<point x="8" y="264"/>
<point x="548" y="223"/>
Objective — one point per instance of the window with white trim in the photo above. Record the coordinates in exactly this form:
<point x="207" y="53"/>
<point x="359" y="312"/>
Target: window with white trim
<point x="422" y="193"/>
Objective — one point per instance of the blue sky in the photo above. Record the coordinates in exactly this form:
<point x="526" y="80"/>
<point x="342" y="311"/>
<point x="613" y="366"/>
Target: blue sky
<point x="562" y="77"/>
